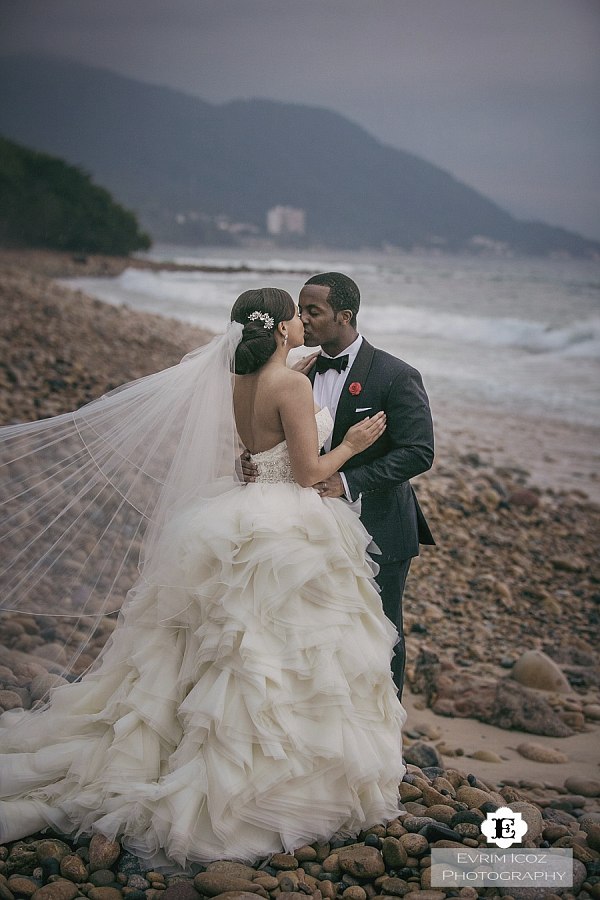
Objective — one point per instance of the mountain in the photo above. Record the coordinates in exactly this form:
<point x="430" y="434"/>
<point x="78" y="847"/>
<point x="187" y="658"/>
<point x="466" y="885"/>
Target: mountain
<point x="46" y="203"/>
<point x="194" y="171"/>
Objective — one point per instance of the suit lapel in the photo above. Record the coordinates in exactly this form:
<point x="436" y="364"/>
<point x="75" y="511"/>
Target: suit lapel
<point x="359" y="371"/>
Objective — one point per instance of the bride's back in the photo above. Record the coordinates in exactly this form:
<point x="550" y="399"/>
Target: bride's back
<point x="256" y="407"/>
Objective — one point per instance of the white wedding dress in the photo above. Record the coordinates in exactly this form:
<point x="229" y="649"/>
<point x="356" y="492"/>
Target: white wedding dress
<point x="250" y="709"/>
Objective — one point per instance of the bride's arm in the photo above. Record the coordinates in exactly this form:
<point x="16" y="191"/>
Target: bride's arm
<point x="297" y="412"/>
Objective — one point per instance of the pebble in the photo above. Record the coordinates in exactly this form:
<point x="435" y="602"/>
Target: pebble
<point x="468" y="893"/>
<point x="395" y="887"/>
<point x="51" y="850"/>
<point x="231" y="895"/>
<point x="466" y="830"/>
<point x="422" y="755"/>
<point x="593" y="837"/>
<point x="138" y="882"/>
<point x="22" y="859"/>
<point x="129" y="864"/>
<point x="305" y="854"/>
<point x="470" y="816"/>
<point x="73" y="868"/>
<point x="49" y="868"/>
<point x="414" y="844"/>
<point x="182" y="890"/>
<point x="58" y="890"/>
<point x="472" y="796"/>
<point x="20" y="886"/>
<point x="211" y="884"/>
<point x="441" y="813"/>
<point x="532" y="815"/>
<point x="235" y="869"/>
<point x="539" y="753"/>
<point x="535" y="669"/>
<point x="284" y="861"/>
<point x="362" y="862"/>
<point x="439" y="832"/>
<point x="486" y="756"/>
<point x="409" y="792"/>
<point x="569" y="564"/>
<point x="524" y="498"/>
<point x="101" y="877"/>
<point x="104" y="893"/>
<point x="287" y="881"/>
<point x="42" y="684"/>
<point x="592" y="711"/>
<point x="394" y="853"/>
<point x="355" y="892"/>
<point x="415" y="823"/>
<point x="103" y="853"/>
<point x="585" y="786"/>
<point x="425" y="895"/>
<point x="10" y="700"/>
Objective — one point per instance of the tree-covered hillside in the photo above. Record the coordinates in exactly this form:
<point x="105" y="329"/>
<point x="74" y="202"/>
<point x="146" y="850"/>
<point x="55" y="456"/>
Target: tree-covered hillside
<point x="46" y="203"/>
<point x="187" y="166"/>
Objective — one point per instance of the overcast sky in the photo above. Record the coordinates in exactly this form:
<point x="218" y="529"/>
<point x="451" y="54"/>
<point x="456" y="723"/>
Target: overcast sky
<point x="502" y="93"/>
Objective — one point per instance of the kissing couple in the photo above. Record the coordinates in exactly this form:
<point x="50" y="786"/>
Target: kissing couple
<point x="244" y="703"/>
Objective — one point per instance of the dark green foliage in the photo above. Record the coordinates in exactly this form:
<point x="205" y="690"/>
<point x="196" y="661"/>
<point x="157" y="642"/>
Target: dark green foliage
<point x="46" y="203"/>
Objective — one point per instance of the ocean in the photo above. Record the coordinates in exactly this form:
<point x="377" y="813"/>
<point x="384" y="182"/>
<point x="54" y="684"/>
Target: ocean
<point x="514" y="337"/>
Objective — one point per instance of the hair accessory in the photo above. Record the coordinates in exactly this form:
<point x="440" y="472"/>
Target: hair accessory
<point x="264" y="317"/>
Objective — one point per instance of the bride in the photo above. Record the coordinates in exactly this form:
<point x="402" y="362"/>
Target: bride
<point x="244" y="703"/>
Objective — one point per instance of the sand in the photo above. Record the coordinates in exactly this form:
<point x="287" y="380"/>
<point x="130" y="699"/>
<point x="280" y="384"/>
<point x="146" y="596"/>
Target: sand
<point x="469" y="735"/>
<point x="553" y="455"/>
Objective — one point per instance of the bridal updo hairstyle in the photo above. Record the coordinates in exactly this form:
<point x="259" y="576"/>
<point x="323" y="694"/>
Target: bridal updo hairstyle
<point x="258" y="343"/>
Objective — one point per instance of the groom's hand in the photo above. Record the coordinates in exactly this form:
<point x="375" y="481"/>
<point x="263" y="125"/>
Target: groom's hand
<point x="249" y="469"/>
<point x="305" y="364"/>
<point x="331" y="487"/>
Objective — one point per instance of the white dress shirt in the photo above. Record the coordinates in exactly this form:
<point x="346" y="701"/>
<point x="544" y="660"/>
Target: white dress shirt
<point x="327" y="390"/>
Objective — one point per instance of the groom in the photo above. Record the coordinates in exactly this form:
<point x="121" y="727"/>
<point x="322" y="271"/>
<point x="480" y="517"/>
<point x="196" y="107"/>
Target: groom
<point x="355" y="380"/>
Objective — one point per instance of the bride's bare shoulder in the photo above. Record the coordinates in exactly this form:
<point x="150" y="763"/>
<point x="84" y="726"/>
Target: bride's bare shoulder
<point x="291" y="391"/>
<point x="294" y="382"/>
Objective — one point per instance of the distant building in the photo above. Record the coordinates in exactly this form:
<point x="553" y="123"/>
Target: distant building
<point x="285" y="220"/>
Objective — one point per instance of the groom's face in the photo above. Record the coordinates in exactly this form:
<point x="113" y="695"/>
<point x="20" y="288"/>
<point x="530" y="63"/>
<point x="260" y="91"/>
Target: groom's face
<point x="321" y="324"/>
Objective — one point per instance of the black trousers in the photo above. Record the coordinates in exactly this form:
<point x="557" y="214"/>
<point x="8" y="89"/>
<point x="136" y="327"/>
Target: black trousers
<point x="391" y="579"/>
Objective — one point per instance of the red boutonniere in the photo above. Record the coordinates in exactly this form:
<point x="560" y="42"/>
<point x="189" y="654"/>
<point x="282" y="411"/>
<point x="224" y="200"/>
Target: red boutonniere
<point x="355" y="388"/>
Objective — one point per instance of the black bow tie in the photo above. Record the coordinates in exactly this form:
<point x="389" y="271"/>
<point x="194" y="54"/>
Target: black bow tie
<point x="324" y="363"/>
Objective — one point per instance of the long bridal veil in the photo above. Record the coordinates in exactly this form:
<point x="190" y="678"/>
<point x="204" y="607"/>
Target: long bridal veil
<point x="85" y="496"/>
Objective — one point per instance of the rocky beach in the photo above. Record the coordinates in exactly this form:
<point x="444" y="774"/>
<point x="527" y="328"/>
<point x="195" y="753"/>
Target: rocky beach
<point x="501" y="619"/>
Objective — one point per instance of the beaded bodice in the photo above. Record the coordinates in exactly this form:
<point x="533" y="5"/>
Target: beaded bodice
<point x="274" y="465"/>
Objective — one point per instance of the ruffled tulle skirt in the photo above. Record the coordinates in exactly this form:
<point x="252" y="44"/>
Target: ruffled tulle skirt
<point x="243" y="705"/>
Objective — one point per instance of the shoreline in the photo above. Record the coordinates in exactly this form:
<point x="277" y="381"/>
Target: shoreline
<point x="64" y="264"/>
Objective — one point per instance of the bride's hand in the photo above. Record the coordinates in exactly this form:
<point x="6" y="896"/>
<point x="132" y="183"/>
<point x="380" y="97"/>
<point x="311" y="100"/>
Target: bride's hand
<point x="365" y="433"/>
<point x="305" y="364"/>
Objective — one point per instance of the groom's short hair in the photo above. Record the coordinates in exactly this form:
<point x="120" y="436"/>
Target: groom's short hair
<point x="343" y="293"/>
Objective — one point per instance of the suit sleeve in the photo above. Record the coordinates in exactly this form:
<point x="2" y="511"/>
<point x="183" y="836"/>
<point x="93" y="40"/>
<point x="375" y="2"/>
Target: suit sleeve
<point x="410" y="431"/>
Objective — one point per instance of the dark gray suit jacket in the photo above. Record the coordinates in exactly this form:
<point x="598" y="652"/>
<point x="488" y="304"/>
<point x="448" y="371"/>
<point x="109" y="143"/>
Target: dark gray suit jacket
<point x="390" y="511"/>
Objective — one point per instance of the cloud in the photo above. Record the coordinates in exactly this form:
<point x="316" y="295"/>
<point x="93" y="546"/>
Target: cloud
<point x="501" y="94"/>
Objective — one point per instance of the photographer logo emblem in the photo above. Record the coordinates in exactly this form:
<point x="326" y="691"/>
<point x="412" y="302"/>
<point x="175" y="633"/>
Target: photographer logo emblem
<point x="504" y="827"/>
